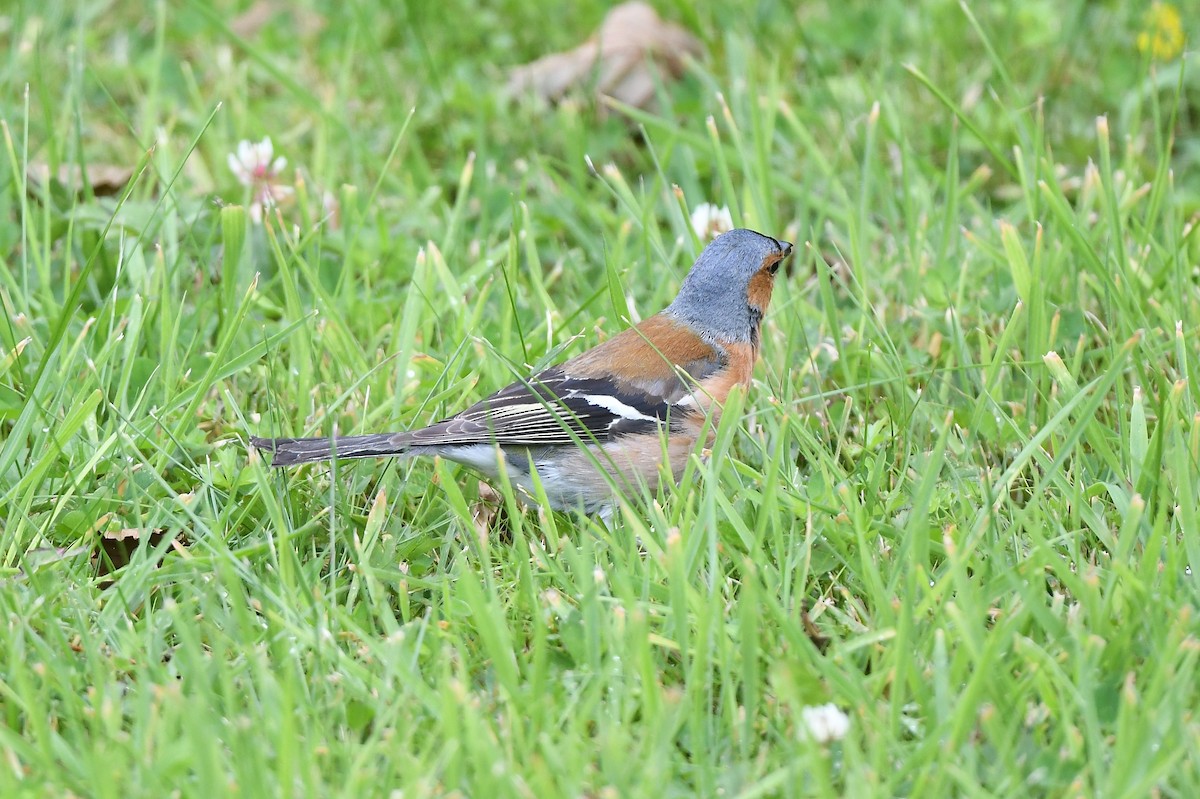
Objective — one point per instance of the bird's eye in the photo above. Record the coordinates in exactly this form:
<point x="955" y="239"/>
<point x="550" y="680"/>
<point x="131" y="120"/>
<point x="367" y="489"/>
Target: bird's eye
<point x="773" y="268"/>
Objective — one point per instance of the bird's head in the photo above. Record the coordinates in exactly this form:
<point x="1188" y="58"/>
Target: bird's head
<point x="728" y="289"/>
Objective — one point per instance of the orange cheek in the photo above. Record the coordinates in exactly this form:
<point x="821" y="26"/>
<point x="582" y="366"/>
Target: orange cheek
<point x="758" y="293"/>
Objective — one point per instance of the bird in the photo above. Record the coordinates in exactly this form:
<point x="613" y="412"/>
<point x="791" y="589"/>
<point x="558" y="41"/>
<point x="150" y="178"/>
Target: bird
<point x="610" y="419"/>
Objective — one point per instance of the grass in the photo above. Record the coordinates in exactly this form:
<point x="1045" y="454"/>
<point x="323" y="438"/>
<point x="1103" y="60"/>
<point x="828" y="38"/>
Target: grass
<point x="971" y="450"/>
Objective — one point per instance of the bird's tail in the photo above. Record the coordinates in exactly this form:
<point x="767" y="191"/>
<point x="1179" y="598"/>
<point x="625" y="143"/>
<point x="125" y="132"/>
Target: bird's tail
<point x="294" y="451"/>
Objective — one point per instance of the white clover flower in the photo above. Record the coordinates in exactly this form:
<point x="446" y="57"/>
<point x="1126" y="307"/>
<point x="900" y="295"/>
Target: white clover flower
<point x="710" y="221"/>
<point x="824" y="723"/>
<point x="255" y="167"/>
<point x="252" y="163"/>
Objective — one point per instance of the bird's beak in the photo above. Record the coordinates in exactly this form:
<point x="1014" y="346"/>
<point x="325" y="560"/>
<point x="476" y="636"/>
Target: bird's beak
<point x="785" y="247"/>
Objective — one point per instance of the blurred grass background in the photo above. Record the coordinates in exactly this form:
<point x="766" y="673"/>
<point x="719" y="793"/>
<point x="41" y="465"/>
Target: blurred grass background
<point x="971" y="448"/>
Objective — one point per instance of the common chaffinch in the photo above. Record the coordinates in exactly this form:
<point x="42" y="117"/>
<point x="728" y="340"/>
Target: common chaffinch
<point x="604" y="420"/>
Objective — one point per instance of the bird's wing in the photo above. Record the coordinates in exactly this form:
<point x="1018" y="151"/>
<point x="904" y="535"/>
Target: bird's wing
<point x="554" y="407"/>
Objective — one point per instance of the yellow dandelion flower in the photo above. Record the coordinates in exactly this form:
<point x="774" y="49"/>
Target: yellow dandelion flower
<point x="1162" y="32"/>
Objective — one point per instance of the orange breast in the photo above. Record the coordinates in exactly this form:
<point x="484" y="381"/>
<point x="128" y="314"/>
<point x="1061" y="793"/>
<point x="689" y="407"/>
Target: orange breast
<point x="715" y="389"/>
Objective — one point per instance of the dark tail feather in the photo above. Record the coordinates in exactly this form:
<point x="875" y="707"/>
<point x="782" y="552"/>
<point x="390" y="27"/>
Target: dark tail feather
<point x="293" y="451"/>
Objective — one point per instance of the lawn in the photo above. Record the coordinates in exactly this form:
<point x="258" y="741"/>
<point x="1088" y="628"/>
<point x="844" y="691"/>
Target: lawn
<point x="956" y="517"/>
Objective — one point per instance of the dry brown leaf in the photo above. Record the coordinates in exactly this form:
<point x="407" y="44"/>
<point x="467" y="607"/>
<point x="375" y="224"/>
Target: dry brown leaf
<point x="248" y="24"/>
<point x="485" y="510"/>
<point x="116" y="547"/>
<point x="106" y="180"/>
<point x="820" y="641"/>
<point x="633" y="50"/>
